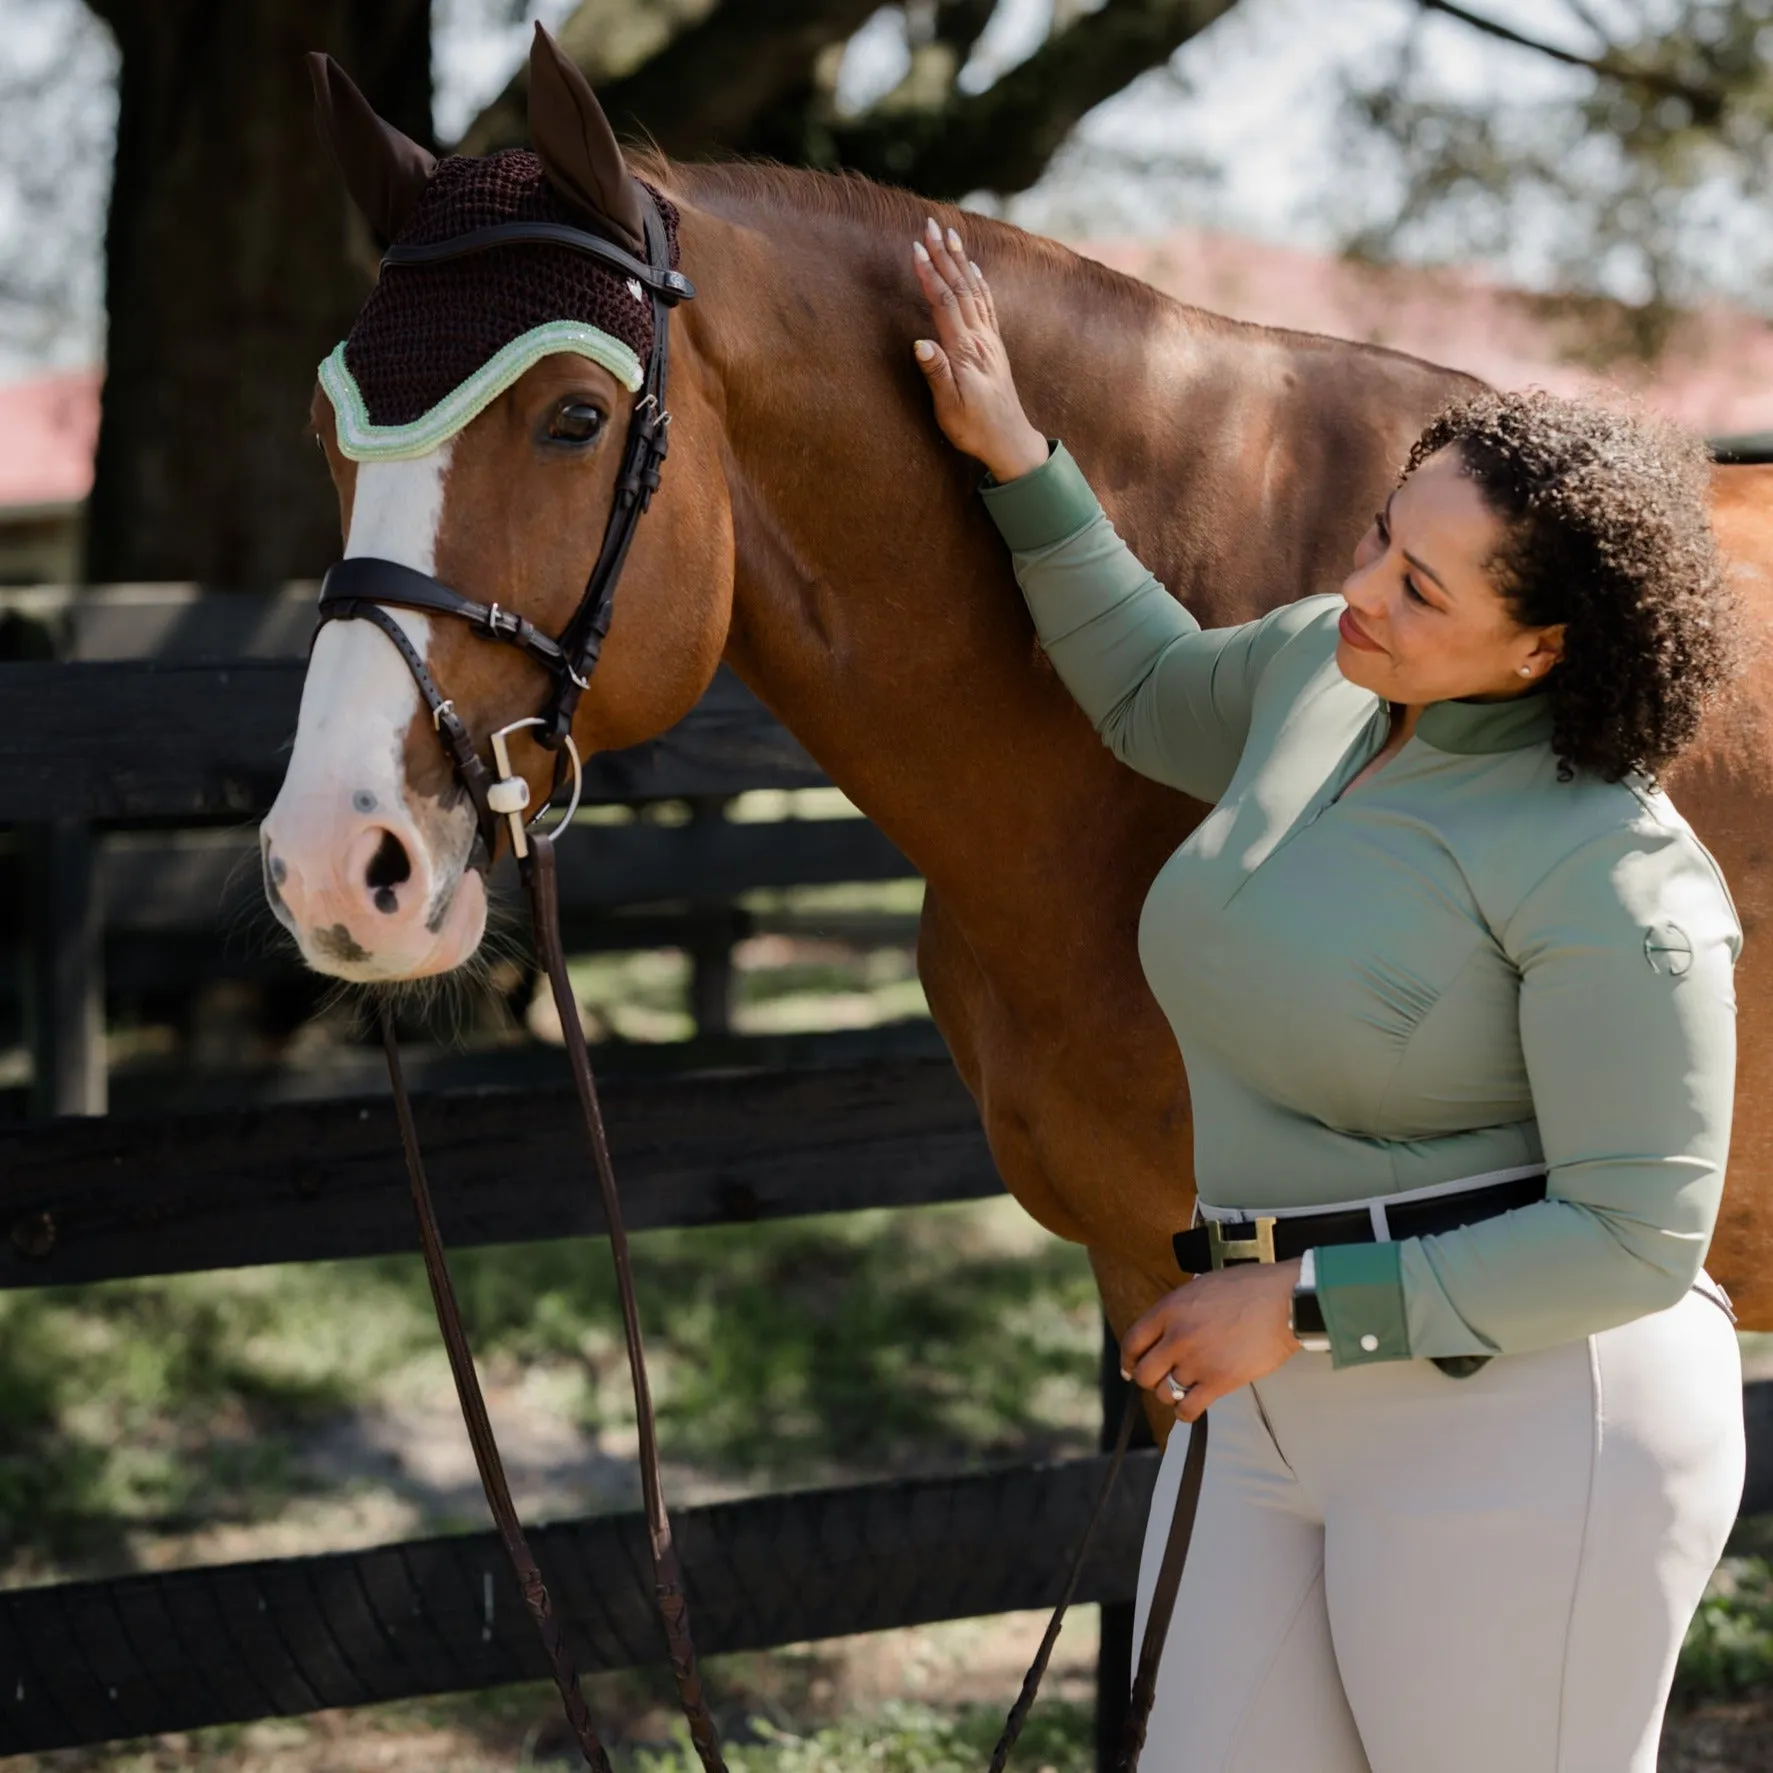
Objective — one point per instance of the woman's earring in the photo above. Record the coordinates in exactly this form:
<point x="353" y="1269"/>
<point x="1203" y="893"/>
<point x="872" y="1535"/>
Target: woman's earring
<point x="1526" y="671"/>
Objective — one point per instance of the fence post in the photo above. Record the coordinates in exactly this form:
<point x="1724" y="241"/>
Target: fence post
<point x="63" y="968"/>
<point x="1114" y="1654"/>
<point x="711" y="943"/>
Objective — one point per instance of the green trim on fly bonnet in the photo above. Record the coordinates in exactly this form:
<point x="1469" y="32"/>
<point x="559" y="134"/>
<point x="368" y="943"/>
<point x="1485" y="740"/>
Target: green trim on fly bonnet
<point x="362" y="440"/>
<point x="440" y="337"/>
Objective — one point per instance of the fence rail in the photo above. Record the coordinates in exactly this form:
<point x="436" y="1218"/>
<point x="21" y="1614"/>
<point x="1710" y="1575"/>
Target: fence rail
<point x="155" y="883"/>
<point x="98" y="1199"/>
<point x="86" y="1661"/>
<point x="135" y="741"/>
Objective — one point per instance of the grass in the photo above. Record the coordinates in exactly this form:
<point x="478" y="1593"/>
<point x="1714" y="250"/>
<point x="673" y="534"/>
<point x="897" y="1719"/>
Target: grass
<point x="516" y="1728"/>
<point x="1729" y="1646"/>
<point x="782" y="1352"/>
<point x="901" y="1738"/>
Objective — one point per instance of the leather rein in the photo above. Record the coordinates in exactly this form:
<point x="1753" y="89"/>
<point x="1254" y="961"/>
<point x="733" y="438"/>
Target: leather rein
<point x="364" y="588"/>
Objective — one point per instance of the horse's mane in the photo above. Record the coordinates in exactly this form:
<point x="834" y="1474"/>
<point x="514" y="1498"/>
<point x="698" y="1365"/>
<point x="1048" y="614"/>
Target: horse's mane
<point x="886" y="213"/>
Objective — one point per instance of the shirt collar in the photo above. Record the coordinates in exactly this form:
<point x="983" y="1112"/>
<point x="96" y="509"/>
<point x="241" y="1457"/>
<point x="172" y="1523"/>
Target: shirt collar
<point x="1476" y="728"/>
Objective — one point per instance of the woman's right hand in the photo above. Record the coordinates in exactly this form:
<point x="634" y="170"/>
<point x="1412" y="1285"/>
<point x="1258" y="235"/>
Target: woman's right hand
<point x="968" y="369"/>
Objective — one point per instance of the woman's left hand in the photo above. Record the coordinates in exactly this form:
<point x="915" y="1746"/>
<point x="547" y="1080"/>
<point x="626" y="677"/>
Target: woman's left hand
<point x="1216" y="1333"/>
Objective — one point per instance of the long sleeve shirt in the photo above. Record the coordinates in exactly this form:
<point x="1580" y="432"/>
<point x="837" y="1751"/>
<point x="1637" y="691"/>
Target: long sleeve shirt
<point x="1463" y="965"/>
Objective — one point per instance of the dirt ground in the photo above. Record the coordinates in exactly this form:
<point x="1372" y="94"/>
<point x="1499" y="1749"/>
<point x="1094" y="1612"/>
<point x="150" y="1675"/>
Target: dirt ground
<point x="799" y="1689"/>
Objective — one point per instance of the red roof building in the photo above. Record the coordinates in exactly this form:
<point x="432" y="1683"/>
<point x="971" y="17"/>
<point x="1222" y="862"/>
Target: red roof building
<point x="48" y="431"/>
<point x="1713" y="371"/>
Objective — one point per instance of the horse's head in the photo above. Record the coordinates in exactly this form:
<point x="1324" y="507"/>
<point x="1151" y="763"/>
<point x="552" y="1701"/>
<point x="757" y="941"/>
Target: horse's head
<point x="481" y="422"/>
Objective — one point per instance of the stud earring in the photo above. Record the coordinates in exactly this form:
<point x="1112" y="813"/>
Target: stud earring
<point x="1526" y="671"/>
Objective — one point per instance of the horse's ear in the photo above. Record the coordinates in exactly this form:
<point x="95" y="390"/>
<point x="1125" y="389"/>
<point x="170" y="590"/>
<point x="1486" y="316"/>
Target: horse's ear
<point x="385" y="171"/>
<point x="577" y="145"/>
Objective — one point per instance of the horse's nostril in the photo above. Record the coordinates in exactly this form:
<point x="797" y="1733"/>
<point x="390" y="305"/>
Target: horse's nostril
<point x="388" y="867"/>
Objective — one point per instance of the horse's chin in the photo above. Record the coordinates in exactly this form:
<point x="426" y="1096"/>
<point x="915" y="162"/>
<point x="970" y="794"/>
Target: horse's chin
<point x="452" y="944"/>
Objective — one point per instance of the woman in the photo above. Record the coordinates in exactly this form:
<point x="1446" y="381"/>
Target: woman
<point x="1452" y="983"/>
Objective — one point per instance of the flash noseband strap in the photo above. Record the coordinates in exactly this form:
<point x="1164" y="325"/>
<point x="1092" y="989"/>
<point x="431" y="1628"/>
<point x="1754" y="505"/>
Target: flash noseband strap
<point x="364" y="441"/>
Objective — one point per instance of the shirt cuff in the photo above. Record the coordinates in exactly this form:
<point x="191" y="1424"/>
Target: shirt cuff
<point x="1044" y="506"/>
<point x="1361" y="1290"/>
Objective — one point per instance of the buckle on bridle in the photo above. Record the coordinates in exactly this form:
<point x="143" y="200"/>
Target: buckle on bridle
<point x="1225" y="1250"/>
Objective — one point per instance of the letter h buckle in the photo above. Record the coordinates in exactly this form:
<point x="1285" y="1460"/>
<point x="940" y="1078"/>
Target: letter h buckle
<point x="1225" y="1250"/>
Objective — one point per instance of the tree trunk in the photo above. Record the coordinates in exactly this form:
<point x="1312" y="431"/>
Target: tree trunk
<point x="233" y="265"/>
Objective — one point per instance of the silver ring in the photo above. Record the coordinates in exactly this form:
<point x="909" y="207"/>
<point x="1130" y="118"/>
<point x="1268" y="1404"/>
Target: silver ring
<point x="1178" y="1391"/>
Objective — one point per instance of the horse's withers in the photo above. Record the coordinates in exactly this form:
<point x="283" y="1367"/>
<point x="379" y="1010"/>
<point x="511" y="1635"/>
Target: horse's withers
<point x="370" y="877"/>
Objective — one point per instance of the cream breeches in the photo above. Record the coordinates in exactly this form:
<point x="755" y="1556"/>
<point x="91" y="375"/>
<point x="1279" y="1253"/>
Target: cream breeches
<point x="1394" y="1571"/>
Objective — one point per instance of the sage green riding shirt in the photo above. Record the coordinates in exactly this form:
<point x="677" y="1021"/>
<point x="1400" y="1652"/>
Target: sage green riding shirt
<point x="1463" y="965"/>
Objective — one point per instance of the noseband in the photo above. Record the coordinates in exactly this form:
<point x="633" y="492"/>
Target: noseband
<point x="365" y="589"/>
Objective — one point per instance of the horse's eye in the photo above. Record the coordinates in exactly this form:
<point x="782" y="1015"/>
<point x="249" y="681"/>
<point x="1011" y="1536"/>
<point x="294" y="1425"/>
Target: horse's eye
<point x="576" y="422"/>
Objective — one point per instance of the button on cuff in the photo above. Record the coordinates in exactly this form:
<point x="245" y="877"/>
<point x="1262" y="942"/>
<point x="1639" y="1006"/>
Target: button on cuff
<point x="1361" y="1290"/>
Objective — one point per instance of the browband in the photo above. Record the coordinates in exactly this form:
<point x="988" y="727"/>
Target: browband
<point x="671" y="286"/>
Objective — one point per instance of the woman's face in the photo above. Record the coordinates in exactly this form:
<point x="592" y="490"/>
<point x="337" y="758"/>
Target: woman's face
<point x="1425" y="622"/>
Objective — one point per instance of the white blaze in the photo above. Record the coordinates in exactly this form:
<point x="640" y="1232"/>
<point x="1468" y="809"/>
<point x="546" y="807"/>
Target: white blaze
<point x="347" y="771"/>
<point x="359" y="697"/>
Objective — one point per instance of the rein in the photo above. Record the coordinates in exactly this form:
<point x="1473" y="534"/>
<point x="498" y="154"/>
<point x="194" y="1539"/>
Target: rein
<point x="363" y="588"/>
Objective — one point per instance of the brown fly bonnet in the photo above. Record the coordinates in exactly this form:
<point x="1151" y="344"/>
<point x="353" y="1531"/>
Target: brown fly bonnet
<point x="497" y="263"/>
<point x="439" y="341"/>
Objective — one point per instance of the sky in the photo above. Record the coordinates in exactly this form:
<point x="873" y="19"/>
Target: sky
<point x="1241" y="132"/>
<point x="1257" y="93"/>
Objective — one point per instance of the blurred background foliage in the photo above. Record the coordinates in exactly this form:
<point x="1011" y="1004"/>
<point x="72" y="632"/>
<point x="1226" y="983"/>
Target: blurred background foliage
<point x="162" y="199"/>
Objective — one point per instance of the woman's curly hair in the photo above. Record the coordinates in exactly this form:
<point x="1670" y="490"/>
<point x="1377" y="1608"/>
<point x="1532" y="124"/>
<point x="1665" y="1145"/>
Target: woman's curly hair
<point x="1608" y="532"/>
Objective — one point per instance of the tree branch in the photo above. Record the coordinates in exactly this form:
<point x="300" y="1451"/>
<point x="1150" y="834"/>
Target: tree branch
<point x="1001" y="139"/>
<point x="1707" y="102"/>
<point x="607" y="39"/>
<point x="961" y="23"/>
<point x="709" y="89"/>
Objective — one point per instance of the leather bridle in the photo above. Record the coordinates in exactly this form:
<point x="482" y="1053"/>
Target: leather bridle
<point x="364" y="589"/>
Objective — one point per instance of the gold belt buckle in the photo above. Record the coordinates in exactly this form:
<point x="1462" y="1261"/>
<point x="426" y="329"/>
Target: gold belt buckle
<point x="1259" y="1248"/>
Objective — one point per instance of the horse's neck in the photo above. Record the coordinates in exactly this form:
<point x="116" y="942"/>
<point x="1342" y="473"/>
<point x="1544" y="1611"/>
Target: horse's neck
<point x="874" y="607"/>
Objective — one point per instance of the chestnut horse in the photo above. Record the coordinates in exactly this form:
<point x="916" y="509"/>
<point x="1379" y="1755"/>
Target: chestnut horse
<point x="814" y="531"/>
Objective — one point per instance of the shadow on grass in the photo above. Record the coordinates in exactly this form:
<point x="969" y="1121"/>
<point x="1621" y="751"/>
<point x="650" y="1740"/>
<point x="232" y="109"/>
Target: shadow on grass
<point x="148" y="1401"/>
<point x="879" y="1341"/>
<point x="854" y="1340"/>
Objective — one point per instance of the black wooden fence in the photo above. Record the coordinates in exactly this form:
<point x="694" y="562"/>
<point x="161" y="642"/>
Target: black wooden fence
<point x="85" y="744"/>
<point x="110" y="768"/>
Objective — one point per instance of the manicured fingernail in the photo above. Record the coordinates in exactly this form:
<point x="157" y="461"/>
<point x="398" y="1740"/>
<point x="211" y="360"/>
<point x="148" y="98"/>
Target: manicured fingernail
<point x="924" y="349"/>
<point x="931" y="229"/>
<point x="973" y="266"/>
<point x="953" y="241"/>
<point x="918" y="253"/>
